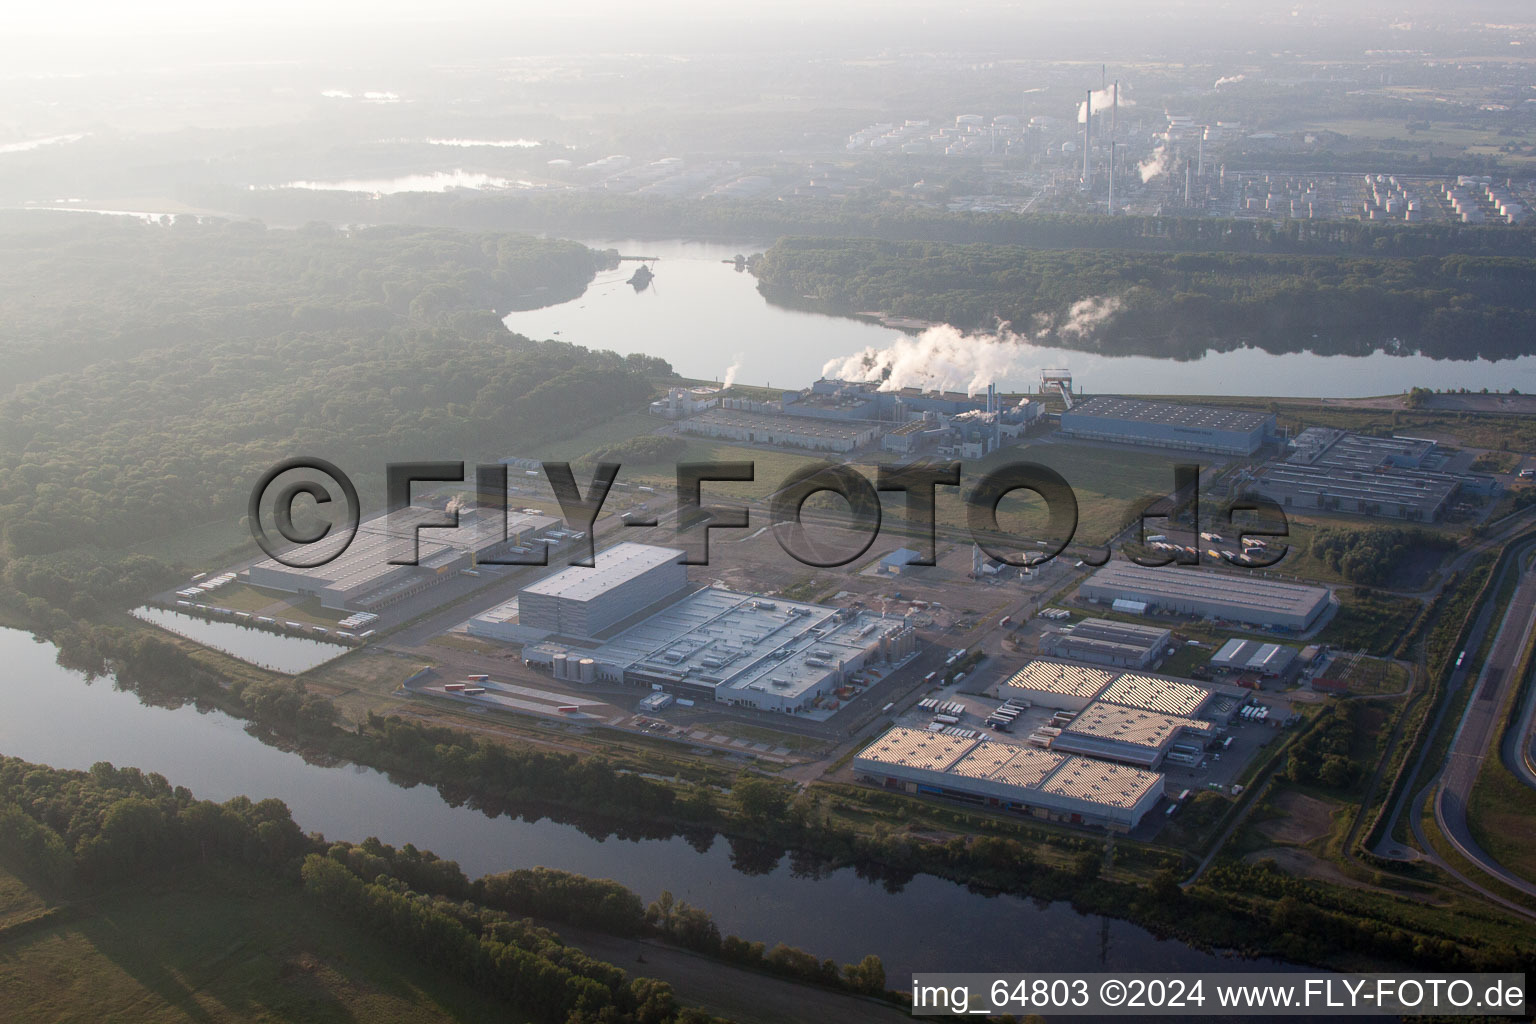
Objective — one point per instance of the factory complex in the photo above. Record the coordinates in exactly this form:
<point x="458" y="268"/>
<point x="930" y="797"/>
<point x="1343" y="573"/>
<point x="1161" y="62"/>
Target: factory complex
<point x="1131" y="717"/>
<point x="845" y="416"/>
<point x="632" y="619"/>
<point x="1043" y="783"/>
<point x="1105" y="642"/>
<point x="1169" y="425"/>
<point x="1387" y="477"/>
<point x="361" y="578"/>
<point x="1239" y="597"/>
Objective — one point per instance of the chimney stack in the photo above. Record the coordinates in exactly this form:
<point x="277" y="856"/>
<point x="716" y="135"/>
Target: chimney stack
<point x="1189" y="181"/>
<point x="1114" y="117"/>
<point x="1111" y="178"/>
<point x="1087" y="138"/>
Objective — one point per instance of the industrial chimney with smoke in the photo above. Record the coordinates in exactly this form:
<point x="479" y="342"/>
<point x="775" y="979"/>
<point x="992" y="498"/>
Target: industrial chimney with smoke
<point x="1087" y="140"/>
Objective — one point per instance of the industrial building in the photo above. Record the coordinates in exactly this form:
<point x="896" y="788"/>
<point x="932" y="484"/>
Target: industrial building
<point x="1055" y="684"/>
<point x="1133" y="735"/>
<point x="1045" y="784"/>
<point x="1104" y="642"/>
<point x="361" y="578"/>
<point x="641" y="626"/>
<point x="582" y="602"/>
<point x="720" y="645"/>
<point x="1331" y="470"/>
<point x="816" y="434"/>
<point x="1408" y="494"/>
<point x="1251" y="656"/>
<point x="1157" y="693"/>
<point x="1169" y="425"/>
<point x="1240" y="597"/>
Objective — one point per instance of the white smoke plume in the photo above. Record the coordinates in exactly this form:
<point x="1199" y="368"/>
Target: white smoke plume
<point x="1088" y="314"/>
<point x="731" y="372"/>
<point x="1155" y="164"/>
<point x="1227" y="80"/>
<point x="947" y="359"/>
<point x="1103" y="99"/>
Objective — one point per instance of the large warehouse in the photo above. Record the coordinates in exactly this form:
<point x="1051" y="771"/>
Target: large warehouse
<point x="1105" y="642"/>
<point x="1042" y="783"/>
<point x="714" y="644"/>
<point x="816" y="434"/>
<point x="361" y="578"/>
<point x="1240" y="597"/>
<point x="623" y="580"/>
<point x="1408" y="494"/>
<point x="1134" y="735"/>
<point x="1055" y="684"/>
<point x="1169" y="425"/>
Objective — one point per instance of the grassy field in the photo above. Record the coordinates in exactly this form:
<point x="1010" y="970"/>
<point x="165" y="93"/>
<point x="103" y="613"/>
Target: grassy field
<point x="217" y="945"/>
<point x="362" y="681"/>
<point x="1371" y="624"/>
<point x="1502" y="816"/>
<point x="199" y="548"/>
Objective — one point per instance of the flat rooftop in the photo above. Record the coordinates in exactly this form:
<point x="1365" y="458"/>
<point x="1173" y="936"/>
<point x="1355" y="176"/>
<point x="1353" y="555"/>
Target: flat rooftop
<point x="1026" y="768"/>
<point x="1135" y="726"/>
<point x="1101" y="782"/>
<point x="917" y="748"/>
<point x="1156" y="693"/>
<point x="1238" y="592"/>
<point x="740" y="642"/>
<point x="1417" y="487"/>
<point x="806" y="426"/>
<point x="1171" y="414"/>
<point x="611" y="567"/>
<point x="365" y="562"/>
<point x="1060" y="677"/>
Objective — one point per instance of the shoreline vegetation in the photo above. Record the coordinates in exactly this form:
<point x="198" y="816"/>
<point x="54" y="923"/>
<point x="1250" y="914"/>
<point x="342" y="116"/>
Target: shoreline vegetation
<point x="413" y="361"/>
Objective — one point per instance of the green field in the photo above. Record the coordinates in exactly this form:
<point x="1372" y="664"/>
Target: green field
<point x="214" y="944"/>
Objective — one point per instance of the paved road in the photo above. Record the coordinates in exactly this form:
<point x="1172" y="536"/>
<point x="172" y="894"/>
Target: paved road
<point x="1479" y="729"/>
<point x="1411" y="795"/>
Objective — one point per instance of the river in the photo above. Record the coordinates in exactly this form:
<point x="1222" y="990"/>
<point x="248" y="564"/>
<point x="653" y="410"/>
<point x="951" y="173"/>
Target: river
<point x="704" y="316"/>
<point x="53" y="715"/>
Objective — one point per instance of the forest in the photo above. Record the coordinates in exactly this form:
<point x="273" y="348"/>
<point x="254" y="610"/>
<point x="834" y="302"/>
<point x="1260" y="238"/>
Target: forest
<point x="1173" y="305"/>
<point x="874" y="212"/>
<point x="159" y="376"/>
<point x="77" y="835"/>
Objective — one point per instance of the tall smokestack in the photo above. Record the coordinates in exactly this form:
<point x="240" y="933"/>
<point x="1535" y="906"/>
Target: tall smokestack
<point x="1111" y="178"/>
<point x="1087" y="137"/>
<point x="1103" y="77"/>
<point x="1189" y="181"/>
<point x="1114" y="117"/>
<point x="1200" y="167"/>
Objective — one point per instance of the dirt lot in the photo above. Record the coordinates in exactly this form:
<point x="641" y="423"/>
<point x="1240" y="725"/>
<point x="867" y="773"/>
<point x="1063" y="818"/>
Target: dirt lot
<point x="1306" y="818"/>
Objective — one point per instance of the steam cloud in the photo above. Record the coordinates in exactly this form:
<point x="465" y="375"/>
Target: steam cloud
<point x="1229" y="80"/>
<point x="731" y="372"/>
<point x="948" y="359"/>
<point x="1155" y="164"/>
<point x="1102" y="100"/>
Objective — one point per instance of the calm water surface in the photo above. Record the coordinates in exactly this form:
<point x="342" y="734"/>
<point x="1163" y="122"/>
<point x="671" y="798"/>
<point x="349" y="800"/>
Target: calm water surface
<point x="52" y="715"/>
<point x="703" y="316"/>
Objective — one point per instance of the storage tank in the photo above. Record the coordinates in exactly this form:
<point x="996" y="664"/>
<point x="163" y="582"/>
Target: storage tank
<point x="558" y="665"/>
<point x="588" y="670"/>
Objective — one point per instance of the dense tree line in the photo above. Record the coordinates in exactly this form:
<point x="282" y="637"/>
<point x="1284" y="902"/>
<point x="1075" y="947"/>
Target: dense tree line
<point x="1371" y="555"/>
<point x="201" y="355"/>
<point x="874" y="213"/>
<point x="79" y="289"/>
<point x="1175" y="305"/>
<point x="1322" y="756"/>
